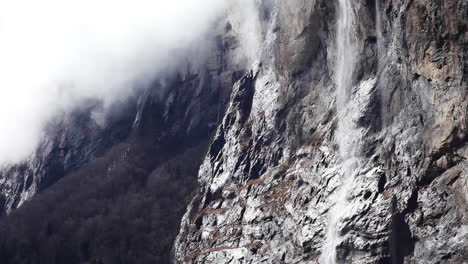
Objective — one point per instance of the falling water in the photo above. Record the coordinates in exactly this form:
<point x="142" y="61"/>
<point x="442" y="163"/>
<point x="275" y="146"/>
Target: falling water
<point x="346" y="58"/>
<point x="345" y="53"/>
<point x="380" y="38"/>
<point x="381" y="54"/>
<point x="378" y="29"/>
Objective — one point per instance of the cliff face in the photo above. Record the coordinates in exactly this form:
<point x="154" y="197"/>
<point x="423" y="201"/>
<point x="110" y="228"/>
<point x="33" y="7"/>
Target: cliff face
<point x="346" y="143"/>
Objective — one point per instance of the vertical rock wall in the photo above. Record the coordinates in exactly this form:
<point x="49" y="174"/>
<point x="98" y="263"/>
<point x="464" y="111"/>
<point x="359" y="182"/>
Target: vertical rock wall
<point x="268" y="181"/>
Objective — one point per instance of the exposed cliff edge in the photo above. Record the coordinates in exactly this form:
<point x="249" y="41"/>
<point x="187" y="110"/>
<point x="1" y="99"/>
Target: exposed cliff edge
<point x="275" y="186"/>
<point x="346" y="142"/>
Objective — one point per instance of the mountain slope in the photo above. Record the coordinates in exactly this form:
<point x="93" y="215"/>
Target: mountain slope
<point x="125" y="205"/>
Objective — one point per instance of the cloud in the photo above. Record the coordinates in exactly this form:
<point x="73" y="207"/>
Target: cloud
<point x="244" y="16"/>
<point x="56" y="53"/>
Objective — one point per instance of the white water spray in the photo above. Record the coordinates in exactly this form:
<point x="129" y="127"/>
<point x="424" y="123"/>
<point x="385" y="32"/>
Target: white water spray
<point x="346" y="58"/>
<point x="379" y="33"/>
<point x="381" y="53"/>
<point x="345" y="53"/>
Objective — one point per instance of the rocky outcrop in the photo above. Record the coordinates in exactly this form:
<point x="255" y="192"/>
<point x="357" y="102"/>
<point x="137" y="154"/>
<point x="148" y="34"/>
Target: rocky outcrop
<point x="274" y="186"/>
<point x="346" y="142"/>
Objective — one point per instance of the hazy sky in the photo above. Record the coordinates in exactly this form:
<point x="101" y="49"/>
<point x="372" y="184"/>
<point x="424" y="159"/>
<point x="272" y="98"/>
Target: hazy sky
<point x="55" y="53"/>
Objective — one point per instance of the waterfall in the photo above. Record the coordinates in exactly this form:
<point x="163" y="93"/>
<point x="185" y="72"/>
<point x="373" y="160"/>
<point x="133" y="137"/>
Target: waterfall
<point x="381" y="54"/>
<point x="380" y="38"/>
<point x="378" y="29"/>
<point x="345" y="51"/>
<point x="345" y="61"/>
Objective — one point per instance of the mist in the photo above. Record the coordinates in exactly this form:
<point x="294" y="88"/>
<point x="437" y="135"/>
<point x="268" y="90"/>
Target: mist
<point x="56" y="53"/>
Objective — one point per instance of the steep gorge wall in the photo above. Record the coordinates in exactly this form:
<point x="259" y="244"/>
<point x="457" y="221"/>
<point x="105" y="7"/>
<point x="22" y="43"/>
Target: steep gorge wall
<point x="269" y="182"/>
<point x="298" y="170"/>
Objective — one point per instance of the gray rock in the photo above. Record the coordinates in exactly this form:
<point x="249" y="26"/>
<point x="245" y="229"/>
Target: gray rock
<point x="270" y="181"/>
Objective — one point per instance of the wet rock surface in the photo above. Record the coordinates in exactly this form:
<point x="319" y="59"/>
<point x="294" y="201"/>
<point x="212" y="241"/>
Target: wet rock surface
<point x="274" y="174"/>
<point x="267" y="183"/>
